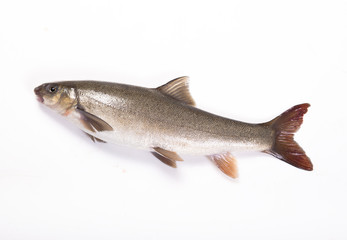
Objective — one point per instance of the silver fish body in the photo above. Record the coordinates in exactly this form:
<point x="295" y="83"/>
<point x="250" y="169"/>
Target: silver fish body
<point x="163" y="119"/>
<point x="146" y="118"/>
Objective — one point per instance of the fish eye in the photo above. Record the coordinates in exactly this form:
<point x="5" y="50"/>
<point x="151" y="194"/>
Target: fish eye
<point x="52" y="89"/>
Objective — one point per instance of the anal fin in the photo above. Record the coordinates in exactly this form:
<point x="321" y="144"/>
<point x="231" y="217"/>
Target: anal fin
<point x="226" y="163"/>
<point x="167" y="157"/>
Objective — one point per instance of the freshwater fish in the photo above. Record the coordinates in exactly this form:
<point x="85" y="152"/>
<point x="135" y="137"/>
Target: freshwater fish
<point x="165" y="121"/>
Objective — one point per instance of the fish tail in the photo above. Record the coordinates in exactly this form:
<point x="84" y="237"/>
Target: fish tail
<point x="284" y="146"/>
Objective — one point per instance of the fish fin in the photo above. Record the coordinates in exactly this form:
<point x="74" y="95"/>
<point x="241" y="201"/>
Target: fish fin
<point x="92" y="122"/>
<point x="167" y="161"/>
<point x="178" y="89"/>
<point x="95" y="138"/>
<point x="226" y="163"/>
<point x="166" y="156"/>
<point x="284" y="146"/>
<point x="172" y="155"/>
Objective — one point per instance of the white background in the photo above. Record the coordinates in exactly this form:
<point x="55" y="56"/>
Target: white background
<point x="248" y="60"/>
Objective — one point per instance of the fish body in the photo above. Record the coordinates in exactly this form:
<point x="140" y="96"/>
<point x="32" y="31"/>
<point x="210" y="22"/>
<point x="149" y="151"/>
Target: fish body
<point x="165" y="120"/>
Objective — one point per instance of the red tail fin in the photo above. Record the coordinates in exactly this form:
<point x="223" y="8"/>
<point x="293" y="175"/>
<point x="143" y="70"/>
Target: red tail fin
<point x="284" y="146"/>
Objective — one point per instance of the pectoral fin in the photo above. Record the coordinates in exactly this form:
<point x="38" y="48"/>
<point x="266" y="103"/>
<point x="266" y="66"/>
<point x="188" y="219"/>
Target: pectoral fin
<point x="167" y="157"/>
<point x="226" y="163"/>
<point x="92" y="122"/>
<point x="178" y="89"/>
<point x="94" y="138"/>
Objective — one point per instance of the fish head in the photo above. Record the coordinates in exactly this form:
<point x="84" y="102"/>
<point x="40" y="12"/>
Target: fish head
<point x="57" y="96"/>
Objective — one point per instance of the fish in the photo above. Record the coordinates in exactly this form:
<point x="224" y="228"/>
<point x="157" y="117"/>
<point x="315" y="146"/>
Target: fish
<point x="165" y="121"/>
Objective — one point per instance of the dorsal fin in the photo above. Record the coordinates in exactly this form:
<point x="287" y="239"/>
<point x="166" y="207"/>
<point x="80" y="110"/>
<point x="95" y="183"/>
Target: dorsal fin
<point x="178" y="89"/>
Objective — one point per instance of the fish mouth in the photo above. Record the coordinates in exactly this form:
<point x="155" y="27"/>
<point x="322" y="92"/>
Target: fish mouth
<point x="38" y="96"/>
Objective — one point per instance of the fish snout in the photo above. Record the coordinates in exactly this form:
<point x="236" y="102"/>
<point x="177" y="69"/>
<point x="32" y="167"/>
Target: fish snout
<point x="38" y="93"/>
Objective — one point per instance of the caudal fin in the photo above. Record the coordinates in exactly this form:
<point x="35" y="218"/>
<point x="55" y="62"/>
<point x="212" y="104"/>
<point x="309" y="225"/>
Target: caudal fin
<point x="284" y="146"/>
